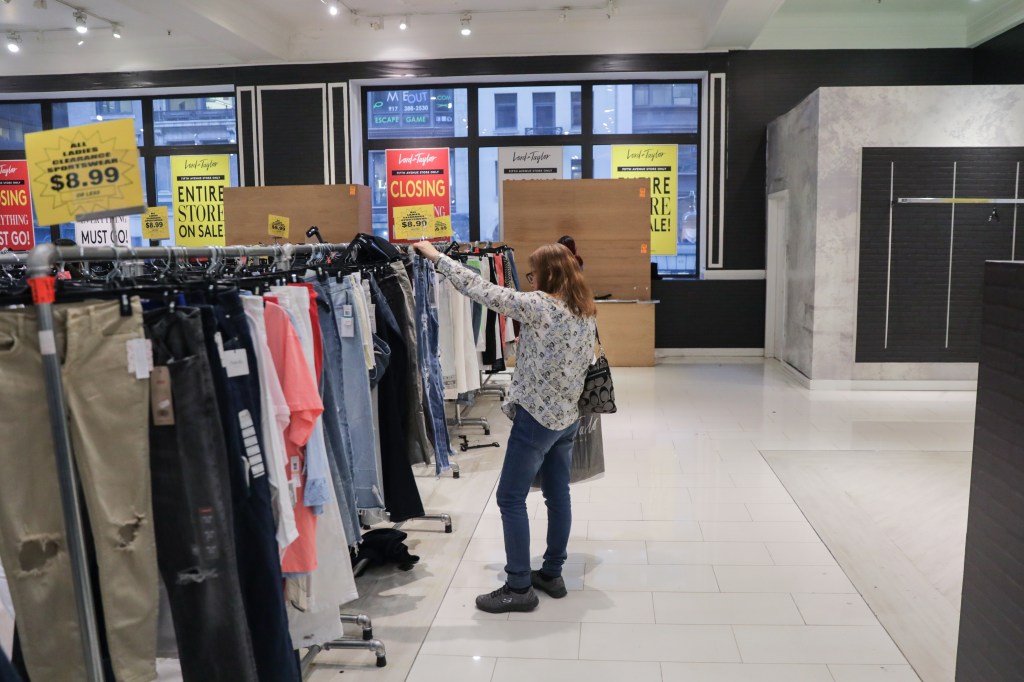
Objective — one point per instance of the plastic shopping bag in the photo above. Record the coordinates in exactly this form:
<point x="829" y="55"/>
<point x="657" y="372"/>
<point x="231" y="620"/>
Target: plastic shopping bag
<point x="587" y="452"/>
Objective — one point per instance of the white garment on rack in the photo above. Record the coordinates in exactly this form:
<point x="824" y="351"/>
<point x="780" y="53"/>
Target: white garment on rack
<point x="274" y="419"/>
<point x="446" y="338"/>
<point x="362" y="315"/>
<point x="469" y="357"/>
<point x="332" y="584"/>
<point x="481" y="337"/>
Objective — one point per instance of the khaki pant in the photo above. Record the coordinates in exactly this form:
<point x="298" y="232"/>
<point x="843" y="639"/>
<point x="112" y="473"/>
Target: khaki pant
<point x="108" y="412"/>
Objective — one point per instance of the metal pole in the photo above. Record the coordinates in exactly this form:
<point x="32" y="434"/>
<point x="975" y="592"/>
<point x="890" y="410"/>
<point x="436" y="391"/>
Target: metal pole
<point x="40" y="262"/>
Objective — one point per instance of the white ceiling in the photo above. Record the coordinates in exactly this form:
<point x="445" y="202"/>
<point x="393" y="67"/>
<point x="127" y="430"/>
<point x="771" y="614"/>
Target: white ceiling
<point x="164" y="34"/>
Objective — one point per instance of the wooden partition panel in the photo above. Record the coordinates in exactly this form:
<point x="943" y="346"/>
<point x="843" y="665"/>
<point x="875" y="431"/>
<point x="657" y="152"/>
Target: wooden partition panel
<point x="609" y="219"/>
<point x="340" y="211"/>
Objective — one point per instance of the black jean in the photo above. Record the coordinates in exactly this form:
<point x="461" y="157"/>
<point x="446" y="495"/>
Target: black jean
<point x="401" y="496"/>
<point x="191" y="508"/>
<point x="259" y="564"/>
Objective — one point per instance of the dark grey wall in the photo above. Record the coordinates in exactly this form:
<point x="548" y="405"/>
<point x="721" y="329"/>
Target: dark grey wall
<point x="992" y="608"/>
<point x="923" y="283"/>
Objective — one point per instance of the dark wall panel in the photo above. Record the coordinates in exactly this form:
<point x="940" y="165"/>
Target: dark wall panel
<point x="992" y="606"/>
<point x="1001" y="59"/>
<point x="293" y="137"/>
<point x="925" y="287"/>
<point x="763" y="85"/>
<point x="247" y="136"/>
<point x="709" y="313"/>
<point x="340" y="139"/>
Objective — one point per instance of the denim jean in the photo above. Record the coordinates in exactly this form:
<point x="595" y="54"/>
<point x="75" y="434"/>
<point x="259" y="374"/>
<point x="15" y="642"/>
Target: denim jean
<point x="430" y="362"/>
<point x="356" y="403"/>
<point x="259" y="563"/>
<point x="401" y="495"/>
<point x="191" y="510"/>
<point x="397" y="287"/>
<point x="532" y="448"/>
<point x="335" y="421"/>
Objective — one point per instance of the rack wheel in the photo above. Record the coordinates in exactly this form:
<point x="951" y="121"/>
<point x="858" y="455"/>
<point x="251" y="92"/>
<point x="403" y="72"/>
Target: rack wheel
<point x="463" y="447"/>
<point x="487" y="432"/>
<point x="448" y="527"/>
<point x="382" y="661"/>
<point x="367" y="635"/>
<point x="455" y="474"/>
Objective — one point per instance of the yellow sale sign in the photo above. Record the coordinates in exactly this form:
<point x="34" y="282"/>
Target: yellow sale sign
<point x="85" y="172"/>
<point x="154" y="223"/>
<point x="197" y="183"/>
<point x="659" y="163"/>
<point x="278" y="226"/>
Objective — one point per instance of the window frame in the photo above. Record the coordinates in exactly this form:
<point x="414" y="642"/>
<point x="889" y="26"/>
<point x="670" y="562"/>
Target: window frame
<point x="148" y="150"/>
<point x="586" y="139"/>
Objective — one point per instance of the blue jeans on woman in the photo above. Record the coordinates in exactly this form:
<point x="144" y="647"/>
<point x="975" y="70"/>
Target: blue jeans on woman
<point x="532" y="448"/>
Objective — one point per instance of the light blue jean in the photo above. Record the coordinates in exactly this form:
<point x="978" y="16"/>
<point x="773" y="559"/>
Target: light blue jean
<point x="336" y="438"/>
<point x="356" y="404"/>
<point x="532" y="448"/>
<point x="430" y="360"/>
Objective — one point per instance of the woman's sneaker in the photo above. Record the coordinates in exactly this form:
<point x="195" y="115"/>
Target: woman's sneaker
<point x="503" y="600"/>
<point x="554" y="587"/>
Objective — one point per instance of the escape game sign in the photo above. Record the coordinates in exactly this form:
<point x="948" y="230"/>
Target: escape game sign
<point x="419" y="202"/>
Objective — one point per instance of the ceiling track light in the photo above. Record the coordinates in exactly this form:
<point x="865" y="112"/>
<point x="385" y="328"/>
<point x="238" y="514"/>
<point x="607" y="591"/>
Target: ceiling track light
<point x="404" y="24"/>
<point x="13" y="42"/>
<point x="376" y="24"/>
<point x="39" y="4"/>
<point x="81" y="21"/>
<point x="332" y="7"/>
<point x="563" y="15"/>
<point x="466" y="20"/>
<point x="116" y="30"/>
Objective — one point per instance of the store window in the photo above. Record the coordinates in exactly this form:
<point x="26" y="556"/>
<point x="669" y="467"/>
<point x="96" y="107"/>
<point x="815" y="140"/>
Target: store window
<point x="16" y="120"/>
<point x="490" y="212"/>
<point x="528" y="110"/>
<point x="646" y="108"/>
<point x="506" y="116"/>
<point x="423" y="113"/>
<point x="687" y="190"/>
<point x="194" y="121"/>
<point x="459" y="192"/>
<point x="82" y="113"/>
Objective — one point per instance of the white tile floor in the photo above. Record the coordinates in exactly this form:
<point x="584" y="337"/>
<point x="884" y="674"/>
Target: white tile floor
<point x="690" y="559"/>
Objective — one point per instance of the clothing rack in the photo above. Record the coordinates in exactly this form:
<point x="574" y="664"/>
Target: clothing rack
<point x="40" y="263"/>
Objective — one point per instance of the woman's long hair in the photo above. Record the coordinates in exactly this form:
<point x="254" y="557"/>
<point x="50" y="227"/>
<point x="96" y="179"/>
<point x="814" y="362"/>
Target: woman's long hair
<point x="557" y="273"/>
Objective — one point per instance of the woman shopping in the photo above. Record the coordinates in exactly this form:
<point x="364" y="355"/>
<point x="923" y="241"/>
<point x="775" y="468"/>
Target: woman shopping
<point x="556" y="345"/>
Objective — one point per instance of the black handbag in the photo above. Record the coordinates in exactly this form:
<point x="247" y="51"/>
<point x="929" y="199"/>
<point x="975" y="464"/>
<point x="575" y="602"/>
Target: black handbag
<point x="598" y="393"/>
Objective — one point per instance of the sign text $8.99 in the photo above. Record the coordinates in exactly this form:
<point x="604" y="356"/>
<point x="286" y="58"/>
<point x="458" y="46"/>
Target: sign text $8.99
<point x="73" y="181"/>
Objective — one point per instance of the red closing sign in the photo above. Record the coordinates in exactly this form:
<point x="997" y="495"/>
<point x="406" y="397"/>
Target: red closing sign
<point x="419" y="205"/>
<point x="16" y="231"/>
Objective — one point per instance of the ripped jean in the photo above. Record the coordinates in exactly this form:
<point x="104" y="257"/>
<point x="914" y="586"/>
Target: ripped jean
<point x="192" y="511"/>
<point x="108" y="414"/>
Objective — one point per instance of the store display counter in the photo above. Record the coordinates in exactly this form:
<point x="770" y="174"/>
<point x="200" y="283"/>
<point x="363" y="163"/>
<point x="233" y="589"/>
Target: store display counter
<point x="627" y="331"/>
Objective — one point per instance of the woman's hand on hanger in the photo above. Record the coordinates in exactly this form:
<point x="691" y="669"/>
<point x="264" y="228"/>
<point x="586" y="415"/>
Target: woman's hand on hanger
<point x="427" y="250"/>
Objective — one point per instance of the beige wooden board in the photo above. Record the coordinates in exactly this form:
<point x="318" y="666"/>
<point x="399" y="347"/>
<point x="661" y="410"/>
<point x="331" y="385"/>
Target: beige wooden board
<point x="340" y="211"/>
<point x="609" y="219"/>
<point x="627" y="333"/>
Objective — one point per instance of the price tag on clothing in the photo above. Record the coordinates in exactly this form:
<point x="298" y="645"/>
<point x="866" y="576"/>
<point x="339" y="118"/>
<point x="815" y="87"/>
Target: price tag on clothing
<point x="296" y="473"/>
<point x="373" y="318"/>
<point x="234" y="362"/>
<point x="160" y="397"/>
<point x="140" y="357"/>
<point x="348" y="324"/>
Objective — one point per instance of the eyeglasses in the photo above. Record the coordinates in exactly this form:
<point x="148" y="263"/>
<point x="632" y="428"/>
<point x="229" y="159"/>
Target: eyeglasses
<point x="529" y="277"/>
